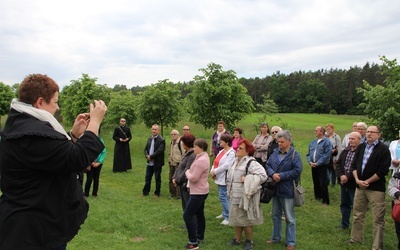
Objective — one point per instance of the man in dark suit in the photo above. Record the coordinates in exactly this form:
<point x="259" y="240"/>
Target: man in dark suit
<point x="370" y="166"/>
<point x="154" y="153"/>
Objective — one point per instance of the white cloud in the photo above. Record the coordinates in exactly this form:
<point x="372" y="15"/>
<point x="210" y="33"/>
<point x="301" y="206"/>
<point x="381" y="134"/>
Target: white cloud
<point x="141" y="42"/>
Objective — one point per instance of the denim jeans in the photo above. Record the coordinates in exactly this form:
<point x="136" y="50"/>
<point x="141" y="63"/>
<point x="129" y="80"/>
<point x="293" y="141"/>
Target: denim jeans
<point x="150" y="170"/>
<point x="194" y="217"/>
<point x="223" y="198"/>
<point x="286" y="205"/>
<point x="346" y="205"/>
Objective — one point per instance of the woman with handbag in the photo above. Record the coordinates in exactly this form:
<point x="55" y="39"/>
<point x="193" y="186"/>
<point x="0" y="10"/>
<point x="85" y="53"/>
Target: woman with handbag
<point x="245" y="167"/>
<point x="285" y="168"/>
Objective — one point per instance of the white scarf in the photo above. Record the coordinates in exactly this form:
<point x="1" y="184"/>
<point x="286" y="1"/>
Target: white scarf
<point x="40" y="114"/>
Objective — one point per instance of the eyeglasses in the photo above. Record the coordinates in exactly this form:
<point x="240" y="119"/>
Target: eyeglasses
<point x="185" y="129"/>
<point x="274" y="132"/>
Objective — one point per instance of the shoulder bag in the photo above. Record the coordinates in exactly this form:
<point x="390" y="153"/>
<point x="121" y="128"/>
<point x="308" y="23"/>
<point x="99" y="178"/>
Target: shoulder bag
<point x="298" y="197"/>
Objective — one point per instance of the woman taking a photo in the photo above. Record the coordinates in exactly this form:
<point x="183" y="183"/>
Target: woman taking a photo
<point x="42" y="204"/>
<point x="221" y="165"/>
<point x="198" y="186"/>
<point x="239" y="173"/>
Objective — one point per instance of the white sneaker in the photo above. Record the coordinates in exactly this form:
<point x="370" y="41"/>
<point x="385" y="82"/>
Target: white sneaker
<point x="225" y="222"/>
<point x="221" y="216"/>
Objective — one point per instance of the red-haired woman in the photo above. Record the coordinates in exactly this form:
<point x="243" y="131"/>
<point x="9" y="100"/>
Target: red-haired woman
<point x="245" y="212"/>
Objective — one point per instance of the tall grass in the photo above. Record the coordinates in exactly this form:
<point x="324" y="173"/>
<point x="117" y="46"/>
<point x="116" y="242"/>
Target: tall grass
<point x="121" y="219"/>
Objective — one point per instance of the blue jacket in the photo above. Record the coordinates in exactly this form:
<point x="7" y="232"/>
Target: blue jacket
<point x="324" y="150"/>
<point x="290" y="169"/>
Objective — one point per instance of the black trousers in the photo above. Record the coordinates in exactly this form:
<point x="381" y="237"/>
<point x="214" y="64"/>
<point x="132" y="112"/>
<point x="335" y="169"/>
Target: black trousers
<point x="93" y="175"/>
<point x="150" y="170"/>
<point x="320" y="183"/>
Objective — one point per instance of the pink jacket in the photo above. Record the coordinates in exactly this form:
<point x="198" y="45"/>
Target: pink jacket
<point x="198" y="174"/>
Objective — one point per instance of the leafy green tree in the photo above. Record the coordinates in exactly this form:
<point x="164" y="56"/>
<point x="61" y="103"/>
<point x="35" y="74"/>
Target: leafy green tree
<point x="382" y="102"/>
<point x="160" y="104"/>
<point x="310" y="96"/>
<point x="280" y="92"/>
<point x="119" y="87"/>
<point x="6" y="95"/>
<point x="15" y="88"/>
<point x="122" y="104"/>
<point x="218" y="95"/>
<point x="268" y="107"/>
<point x="75" y="98"/>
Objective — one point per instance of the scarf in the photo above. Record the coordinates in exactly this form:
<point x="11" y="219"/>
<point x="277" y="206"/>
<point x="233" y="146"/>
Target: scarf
<point x="40" y="114"/>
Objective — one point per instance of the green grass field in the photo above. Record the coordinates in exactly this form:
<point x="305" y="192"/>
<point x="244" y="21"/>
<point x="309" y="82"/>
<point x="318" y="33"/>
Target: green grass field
<point x="121" y="219"/>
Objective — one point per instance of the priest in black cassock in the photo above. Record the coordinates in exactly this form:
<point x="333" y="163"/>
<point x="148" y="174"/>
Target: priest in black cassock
<point x="122" y="153"/>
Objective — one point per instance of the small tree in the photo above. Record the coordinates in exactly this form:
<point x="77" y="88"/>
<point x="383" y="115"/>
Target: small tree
<point x="218" y="95"/>
<point x="122" y="104"/>
<point x="382" y="102"/>
<point x="75" y="98"/>
<point x="6" y="95"/>
<point x="160" y="104"/>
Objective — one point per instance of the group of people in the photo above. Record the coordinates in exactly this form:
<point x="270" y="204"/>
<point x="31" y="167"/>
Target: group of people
<point x="238" y="174"/>
<point x="361" y="163"/>
<point x="43" y="200"/>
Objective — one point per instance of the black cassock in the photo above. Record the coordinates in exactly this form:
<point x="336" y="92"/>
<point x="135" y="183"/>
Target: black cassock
<point x="122" y="153"/>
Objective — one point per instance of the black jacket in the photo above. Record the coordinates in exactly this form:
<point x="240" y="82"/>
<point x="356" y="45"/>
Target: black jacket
<point x="159" y="148"/>
<point x="42" y="204"/>
<point x="378" y="163"/>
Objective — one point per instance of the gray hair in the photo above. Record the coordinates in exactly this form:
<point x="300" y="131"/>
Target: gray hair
<point x="362" y="124"/>
<point x="176" y="131"/>
<point x="284" y="134"/>
<point x="276" y="127"/>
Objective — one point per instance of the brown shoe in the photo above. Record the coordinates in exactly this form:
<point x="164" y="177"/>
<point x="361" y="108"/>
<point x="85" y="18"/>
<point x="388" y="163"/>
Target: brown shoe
<point x="291" y="247"/>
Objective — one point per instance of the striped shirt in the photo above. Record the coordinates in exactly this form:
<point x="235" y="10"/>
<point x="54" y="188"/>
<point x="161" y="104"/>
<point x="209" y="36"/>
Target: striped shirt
<point x="367" y="153"/>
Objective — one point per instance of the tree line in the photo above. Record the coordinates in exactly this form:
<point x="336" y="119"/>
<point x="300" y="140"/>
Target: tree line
<point x="218" y="94"/>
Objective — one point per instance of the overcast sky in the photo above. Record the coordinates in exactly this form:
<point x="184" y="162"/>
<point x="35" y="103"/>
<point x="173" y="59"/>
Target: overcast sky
<point x="135" y="42"/>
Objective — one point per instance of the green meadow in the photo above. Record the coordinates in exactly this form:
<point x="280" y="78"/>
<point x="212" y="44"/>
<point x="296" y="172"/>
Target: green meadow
<point x="119" y="218"/>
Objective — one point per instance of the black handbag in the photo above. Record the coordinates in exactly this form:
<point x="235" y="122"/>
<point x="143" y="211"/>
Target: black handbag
<point x="268" y="190"/>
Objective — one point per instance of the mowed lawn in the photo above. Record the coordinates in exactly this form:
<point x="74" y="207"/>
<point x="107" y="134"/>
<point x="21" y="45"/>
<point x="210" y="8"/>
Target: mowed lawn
<point x="120" y="218"/>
